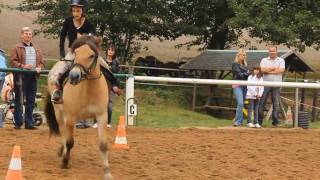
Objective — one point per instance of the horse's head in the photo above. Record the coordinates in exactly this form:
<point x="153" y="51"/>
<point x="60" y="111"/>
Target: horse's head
<point x="85" y="52"/>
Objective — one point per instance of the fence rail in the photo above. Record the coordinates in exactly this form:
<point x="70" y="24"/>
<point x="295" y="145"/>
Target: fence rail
<point x="296" y="85"/>
<point x="228" y="82"/>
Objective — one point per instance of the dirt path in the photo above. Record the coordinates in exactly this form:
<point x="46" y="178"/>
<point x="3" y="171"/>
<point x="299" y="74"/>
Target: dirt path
<point x="172" y="154"/>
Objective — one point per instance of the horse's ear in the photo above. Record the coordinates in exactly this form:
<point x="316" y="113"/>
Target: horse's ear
<point x="98" y="41"/>
<point x="70" y="56"/>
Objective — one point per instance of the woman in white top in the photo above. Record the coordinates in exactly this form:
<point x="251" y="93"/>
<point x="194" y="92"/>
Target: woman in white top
<point x="254" y="94"/>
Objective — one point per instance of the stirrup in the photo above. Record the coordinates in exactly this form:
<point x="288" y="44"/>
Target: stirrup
<point x="56" y="99"/>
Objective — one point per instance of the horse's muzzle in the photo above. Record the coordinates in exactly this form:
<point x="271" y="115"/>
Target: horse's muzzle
<point x="74" y="77"/>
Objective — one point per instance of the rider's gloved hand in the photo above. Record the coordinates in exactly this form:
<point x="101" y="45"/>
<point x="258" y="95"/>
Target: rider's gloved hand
<point x="117" y="90"/>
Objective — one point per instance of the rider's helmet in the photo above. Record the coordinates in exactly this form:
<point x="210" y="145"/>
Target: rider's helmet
<point x="79" y="3"/>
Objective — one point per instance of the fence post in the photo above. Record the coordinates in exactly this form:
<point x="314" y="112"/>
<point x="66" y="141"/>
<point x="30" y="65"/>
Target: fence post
<point x="129" y="96"/>
<point x="315" y="104"/>
<point x="194" y="97"/>
<point x="296" y="113"/>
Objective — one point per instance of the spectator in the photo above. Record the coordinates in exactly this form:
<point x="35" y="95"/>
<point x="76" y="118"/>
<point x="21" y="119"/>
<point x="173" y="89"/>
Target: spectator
<point x="2" y="65"/>
<point x="254" y="94"/>
<point x="272" y="68"/>
<point x="240" y="72"/>
<point x="114" y="67"/>
<point x="2" y="79"/>
<point x="113" y="63"/>
<point x="25" y="55"/>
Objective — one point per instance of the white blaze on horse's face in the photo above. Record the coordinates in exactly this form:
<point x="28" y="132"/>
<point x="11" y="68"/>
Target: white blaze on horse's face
<point x="84" y="56"/>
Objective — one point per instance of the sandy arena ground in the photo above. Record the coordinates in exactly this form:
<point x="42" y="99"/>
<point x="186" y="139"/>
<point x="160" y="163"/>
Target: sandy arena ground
<point x="226" y="153"/>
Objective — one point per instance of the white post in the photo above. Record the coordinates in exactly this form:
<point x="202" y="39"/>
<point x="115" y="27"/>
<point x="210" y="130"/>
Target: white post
<point x="129" y="99"/>
<point x="296" y="113"/>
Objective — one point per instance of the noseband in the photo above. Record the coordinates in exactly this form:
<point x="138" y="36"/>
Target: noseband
<point x="85" y="72"/>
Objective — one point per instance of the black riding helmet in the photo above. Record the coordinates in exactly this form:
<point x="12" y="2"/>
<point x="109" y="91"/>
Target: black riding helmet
<point x="79" y="3"/>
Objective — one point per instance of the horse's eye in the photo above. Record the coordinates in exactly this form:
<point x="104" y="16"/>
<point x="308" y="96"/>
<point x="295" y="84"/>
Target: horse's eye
<point x="92" y="56"/>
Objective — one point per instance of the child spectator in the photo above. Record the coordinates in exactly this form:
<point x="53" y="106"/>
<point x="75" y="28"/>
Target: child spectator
<point x="254" y="94"/>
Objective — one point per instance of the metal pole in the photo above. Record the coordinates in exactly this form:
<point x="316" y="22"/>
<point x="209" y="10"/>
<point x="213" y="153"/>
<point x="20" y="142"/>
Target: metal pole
<point x="17" y="70"/>
<point x="194" y="97"/>
<point x="315" y="104"/>
<point x="129" y="96"/>
<point x="295" y="125"/>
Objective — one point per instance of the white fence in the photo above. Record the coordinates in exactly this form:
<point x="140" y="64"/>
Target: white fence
<point x="131" y="79"/>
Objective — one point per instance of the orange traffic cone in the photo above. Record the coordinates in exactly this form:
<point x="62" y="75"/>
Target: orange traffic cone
<point x="289" y="118"/>
<point x="121" y="138"/>
<point x="15" y="167"/>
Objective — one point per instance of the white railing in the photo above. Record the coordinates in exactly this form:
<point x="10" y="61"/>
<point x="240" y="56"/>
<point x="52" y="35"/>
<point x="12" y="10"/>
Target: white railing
<point x="228" y="82"/>
<point x="296" y="85"/>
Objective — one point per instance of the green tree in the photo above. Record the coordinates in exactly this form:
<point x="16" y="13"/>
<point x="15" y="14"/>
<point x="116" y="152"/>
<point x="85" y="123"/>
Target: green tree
<point x="1" y="6"/>
<point x="295" y="23"/>
<point x="207" y="20"/>
<point x="217" y="24"/>
<point x="121" y="22"/>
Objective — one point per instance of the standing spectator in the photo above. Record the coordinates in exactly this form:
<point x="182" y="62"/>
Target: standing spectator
<point x="25" y="55"/>
<point x="113" y="63"/>
<point x="254" y="94"/>
<point x="272" y="68"/>
<point x="240" y="72"/>
<point x="2" y="65"/>
<point x="114" y="67"/>
<point x="2" y="79"/>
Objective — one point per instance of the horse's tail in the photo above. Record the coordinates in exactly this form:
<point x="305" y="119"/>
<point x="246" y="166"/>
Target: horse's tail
<point x="51" y="117"/>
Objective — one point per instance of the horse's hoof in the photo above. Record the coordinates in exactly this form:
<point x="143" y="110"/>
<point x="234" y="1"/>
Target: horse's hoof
<point x="64" y="166"/>
<point x="60" y="151"/>
<point x="108" y="176"/>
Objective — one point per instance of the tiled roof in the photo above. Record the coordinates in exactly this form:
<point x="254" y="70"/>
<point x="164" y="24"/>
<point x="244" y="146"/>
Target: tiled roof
<point x="222" y="60"/>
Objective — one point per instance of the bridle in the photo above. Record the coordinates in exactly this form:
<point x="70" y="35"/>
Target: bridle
<point x="85" y="72"/>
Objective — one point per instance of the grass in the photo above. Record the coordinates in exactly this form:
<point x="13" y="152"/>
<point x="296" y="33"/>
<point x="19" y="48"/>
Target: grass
<point x="157" y="112"/>
<point x="162" y="108"/>
<point x="314" y="125"/>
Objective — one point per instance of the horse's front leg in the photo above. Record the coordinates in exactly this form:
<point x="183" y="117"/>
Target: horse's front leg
<point x="66" y="130"/>
<point x="103" y="145"/>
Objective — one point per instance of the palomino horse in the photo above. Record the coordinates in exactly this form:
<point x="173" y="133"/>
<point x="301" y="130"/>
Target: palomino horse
<point x="85" y="95"/>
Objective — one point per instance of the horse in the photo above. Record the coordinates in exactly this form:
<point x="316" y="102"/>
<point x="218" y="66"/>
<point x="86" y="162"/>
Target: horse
<point x="85" y="95"/>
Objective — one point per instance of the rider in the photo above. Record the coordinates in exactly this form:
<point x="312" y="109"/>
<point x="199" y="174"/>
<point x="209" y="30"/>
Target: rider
<point x="73" y="28"/>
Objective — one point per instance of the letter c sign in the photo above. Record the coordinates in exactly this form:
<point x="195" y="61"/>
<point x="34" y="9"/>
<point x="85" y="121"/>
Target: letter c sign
<point x="132" y="109"/>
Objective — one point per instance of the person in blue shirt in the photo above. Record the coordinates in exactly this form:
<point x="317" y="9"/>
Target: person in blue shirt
<point x="2" y="65"/>
<point x="2" y="79"/>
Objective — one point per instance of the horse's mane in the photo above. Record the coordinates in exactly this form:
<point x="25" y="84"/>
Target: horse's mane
<point x="93" y="42"/>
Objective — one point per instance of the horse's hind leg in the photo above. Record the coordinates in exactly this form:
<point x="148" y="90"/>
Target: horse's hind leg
<point x="102" y="123"/>
<point x="66" y="131"/>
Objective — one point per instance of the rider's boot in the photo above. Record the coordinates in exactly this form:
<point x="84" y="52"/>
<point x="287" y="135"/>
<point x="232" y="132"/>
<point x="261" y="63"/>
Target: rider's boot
<point x="56" y="96"/>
